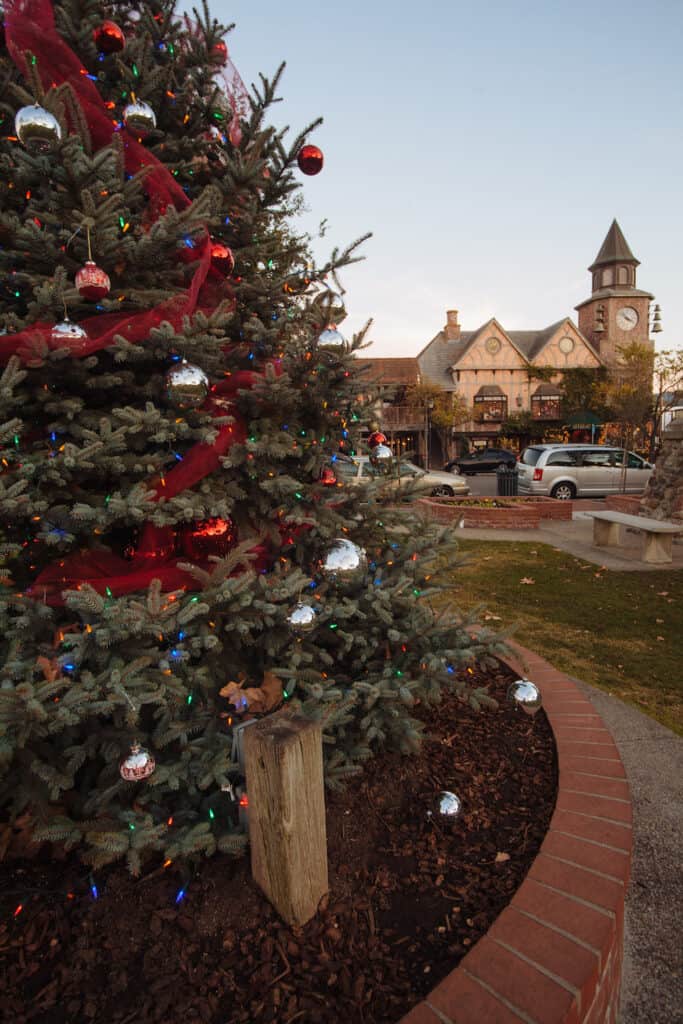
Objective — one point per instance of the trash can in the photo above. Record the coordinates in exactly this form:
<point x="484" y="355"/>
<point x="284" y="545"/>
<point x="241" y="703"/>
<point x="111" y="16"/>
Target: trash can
<point x="506" y="480"/>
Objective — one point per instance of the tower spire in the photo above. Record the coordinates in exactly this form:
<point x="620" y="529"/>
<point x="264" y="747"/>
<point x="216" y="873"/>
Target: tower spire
<point x="615" y="249"/>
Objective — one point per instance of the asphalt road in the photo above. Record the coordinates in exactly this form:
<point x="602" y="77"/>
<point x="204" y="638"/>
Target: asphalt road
<point x="482" y="485"/>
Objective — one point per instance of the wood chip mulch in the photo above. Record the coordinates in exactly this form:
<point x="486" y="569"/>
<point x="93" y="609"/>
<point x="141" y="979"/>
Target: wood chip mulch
<point x="410" y="895"/>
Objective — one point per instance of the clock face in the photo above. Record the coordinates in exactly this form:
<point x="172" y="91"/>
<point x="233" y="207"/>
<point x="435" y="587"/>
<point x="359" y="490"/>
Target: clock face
<point x="627" y="318"/>
<point x="566" y="345"/>
<point x="492" y="345"/>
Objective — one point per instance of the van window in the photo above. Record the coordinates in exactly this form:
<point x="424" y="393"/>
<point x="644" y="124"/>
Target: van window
<point x="530" y="456"/>
<point x="634" y="461"/>
<point x="566" y="458"/>
<point x="604" y="458"/>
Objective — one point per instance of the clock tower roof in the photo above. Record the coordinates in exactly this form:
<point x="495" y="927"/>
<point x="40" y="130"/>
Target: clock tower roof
<point x="615" y="249"/>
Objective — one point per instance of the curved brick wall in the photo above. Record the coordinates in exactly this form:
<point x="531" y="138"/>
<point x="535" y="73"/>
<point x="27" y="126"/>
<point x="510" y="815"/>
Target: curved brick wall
<point x="555" y="953"/>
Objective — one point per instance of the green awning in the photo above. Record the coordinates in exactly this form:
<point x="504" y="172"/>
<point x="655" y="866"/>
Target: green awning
<point x="584" y="420"/>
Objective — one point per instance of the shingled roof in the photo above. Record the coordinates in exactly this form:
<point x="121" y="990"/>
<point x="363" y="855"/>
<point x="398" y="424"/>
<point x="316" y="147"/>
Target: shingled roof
<point x="530" y="343"/>
<point x="393" y="371"/>
<point x="438" y="355"/>
<point x="615" y="249"/>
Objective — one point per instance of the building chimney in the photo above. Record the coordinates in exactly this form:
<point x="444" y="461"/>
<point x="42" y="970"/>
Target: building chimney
<point x="452" y="329"/>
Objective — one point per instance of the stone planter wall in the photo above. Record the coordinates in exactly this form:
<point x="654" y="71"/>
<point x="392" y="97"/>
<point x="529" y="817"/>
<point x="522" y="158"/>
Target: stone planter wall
<point x="628" y="503"/>
<point x="554" y="955"/>
<point x="521" y="513"/>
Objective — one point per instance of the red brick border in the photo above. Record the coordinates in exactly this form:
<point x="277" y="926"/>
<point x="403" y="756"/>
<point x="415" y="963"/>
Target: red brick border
<point x="521" y="513"/>
<point x="554" y="955"/>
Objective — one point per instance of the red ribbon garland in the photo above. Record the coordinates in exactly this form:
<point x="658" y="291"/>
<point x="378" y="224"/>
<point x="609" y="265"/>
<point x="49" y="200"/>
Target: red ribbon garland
<point x="30" y="26"/>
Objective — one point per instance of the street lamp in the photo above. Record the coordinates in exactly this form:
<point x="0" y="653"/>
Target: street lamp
<point x="429" y="405"/>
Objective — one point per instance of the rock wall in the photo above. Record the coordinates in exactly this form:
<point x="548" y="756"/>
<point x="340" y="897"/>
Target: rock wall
<point x="663" y="498"/>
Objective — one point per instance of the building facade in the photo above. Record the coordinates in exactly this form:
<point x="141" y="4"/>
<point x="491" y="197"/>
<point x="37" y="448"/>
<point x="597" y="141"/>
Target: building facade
<point x="498" y="372"/>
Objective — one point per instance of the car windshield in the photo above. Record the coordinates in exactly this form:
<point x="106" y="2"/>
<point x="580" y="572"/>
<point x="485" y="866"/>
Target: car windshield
<point x="530" y="456"/>
<point x="345" y="469"/>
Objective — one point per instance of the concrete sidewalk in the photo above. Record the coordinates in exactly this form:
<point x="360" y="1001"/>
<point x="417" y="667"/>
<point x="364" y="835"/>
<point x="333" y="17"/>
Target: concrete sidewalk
<point x="652" y="990"/>
<point x="576" y="537"/>
<point x="652" y="986"/>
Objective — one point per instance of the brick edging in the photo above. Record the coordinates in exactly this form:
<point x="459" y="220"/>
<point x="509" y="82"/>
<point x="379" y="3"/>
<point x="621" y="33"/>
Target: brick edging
<point x="554" y="955"/>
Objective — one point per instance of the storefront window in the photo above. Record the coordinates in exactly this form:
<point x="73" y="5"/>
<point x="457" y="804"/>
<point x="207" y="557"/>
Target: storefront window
<point x="545" y="408"/>
<point x="495" y="409"/>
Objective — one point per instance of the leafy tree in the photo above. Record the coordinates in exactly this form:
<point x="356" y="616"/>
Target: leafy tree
<point x="522" y="427"/>
<point x="443" y="410"/>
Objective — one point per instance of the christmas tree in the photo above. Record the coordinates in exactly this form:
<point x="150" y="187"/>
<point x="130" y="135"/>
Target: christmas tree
<point x="180" y="549"/>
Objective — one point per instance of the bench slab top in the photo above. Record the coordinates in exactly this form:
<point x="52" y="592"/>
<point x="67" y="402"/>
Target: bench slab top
<point x="638" y="522"/>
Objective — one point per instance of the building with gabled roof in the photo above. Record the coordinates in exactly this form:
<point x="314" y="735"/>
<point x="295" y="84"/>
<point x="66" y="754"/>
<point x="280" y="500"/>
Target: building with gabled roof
<point x="492" y="369"/>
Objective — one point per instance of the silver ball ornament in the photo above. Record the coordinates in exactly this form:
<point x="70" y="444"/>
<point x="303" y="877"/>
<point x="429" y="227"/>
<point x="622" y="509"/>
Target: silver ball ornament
<point x="345" y="561"/>
<point x="331" y="304"/>
<point x="448" y="804"/>
<point x="139" y="764"/>
<point x="331" y="338"/>
<point x="139" y="118"/>
<point x="381" y="457"/>
<point x="186" y="386"/>
<point x="37" y="129"/>
<point x="302" y="618"/>
<point x="69" y="334"/>
<point x="525" y="695"/>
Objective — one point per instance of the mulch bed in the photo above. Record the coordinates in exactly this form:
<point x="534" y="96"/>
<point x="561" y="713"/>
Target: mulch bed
<point x="410" y="895"/>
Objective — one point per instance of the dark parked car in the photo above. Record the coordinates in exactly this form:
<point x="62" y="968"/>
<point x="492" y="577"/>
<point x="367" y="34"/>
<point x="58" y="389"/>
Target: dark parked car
<point x="486" y="460"/>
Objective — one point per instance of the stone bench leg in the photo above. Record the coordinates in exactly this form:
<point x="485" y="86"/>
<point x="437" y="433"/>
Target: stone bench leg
<point x="605" y="533"/>
<point x="657" y="547"/>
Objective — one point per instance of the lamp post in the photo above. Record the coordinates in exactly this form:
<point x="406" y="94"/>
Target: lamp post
<point x="429" y="405"/>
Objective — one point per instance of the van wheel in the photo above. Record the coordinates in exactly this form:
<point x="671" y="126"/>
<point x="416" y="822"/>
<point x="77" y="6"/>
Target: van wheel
<point x="442" y="492"/>
<point x="563" y="492"/>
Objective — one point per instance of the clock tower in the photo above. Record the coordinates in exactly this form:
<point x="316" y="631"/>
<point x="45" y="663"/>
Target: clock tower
<point x="617" y="313"/>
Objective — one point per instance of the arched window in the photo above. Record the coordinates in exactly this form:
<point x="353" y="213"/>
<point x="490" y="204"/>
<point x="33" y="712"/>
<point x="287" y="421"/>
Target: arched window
<point x="607" y="277"/>
<point x="622" y="275"/>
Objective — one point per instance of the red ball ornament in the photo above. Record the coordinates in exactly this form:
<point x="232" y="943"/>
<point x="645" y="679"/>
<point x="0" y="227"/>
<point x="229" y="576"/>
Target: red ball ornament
<point x="222" y="258"/>
<point x="109" y="38"/>
<point x="310" y="160"/>
<point x="208" y="537"/>
<point x="138" y="765"/>
<point x="92" y="282"/>
<point x="376" y="437"/>
<point x="219" y="53"/>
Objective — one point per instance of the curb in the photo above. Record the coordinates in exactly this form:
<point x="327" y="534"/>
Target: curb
<point x="554" y="955"/>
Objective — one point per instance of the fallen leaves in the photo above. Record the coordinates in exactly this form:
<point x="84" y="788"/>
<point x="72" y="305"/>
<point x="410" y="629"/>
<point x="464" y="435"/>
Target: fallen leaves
<point x="528" y="580"/>
<point x="254" y="699"/>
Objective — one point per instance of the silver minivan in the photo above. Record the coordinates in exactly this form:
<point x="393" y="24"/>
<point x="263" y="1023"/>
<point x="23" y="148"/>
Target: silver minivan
<point x="568" y="471"/>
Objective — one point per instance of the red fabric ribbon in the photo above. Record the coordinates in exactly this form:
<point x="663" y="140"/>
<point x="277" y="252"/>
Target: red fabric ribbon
<point x="29" y="344"/>
<point x="30" y="25"/>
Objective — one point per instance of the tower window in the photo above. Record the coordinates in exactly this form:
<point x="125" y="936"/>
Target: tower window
<point x="607" y="277"/>
<point x="622" y="275"/>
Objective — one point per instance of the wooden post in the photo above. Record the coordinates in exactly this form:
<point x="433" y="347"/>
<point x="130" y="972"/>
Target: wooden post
<point x="284" y="772"/>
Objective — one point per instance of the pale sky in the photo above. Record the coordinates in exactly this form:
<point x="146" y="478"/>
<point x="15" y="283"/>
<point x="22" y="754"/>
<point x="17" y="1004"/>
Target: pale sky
<point x="487" y="146"/>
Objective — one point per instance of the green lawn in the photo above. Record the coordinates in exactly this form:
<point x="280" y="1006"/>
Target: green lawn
<point x="621" y="631"/>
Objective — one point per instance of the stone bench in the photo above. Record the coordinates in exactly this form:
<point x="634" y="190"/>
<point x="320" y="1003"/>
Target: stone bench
<point x="657" y="535"/>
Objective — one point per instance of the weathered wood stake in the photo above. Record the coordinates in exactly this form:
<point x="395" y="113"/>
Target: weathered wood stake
<point x="284" y="772"/>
